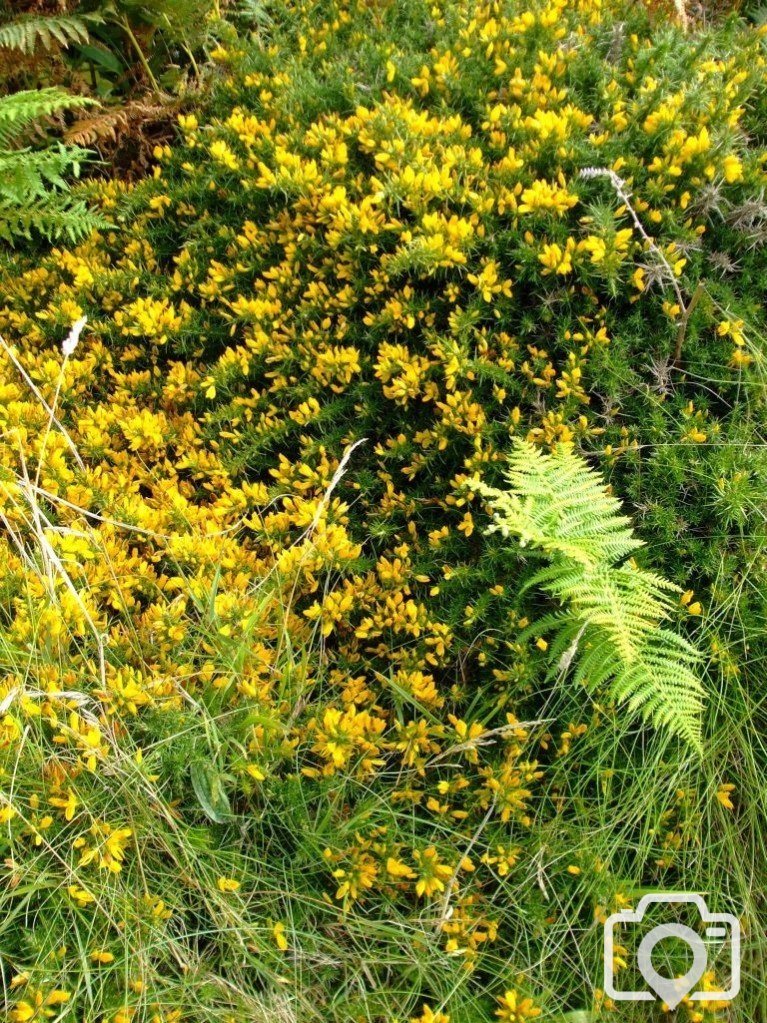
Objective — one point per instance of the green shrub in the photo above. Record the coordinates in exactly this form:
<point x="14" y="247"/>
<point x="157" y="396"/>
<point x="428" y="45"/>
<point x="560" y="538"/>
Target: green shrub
<point x="380" y="230"/>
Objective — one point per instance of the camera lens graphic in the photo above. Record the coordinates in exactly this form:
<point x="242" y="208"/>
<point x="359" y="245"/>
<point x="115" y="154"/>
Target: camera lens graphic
<point x="672" y="989"/>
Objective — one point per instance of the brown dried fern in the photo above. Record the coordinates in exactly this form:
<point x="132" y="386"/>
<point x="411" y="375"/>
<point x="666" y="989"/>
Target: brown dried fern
<point x="89" y="131"/>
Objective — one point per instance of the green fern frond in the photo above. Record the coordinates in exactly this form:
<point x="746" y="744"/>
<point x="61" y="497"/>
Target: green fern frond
<point x="253" y="13"/>
<point x="555" y="511"/>
<point x="55" y="217"/>
<point x="180" y="18"/>
<point x="26" y="33"/>
<point x="612" y="610"/>
<point x="34" y="191"/>
<point x="21" y="109"/>
<point x="26" y="175"/>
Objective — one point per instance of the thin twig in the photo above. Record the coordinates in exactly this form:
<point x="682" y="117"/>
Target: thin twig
<point x="686" y="308"/>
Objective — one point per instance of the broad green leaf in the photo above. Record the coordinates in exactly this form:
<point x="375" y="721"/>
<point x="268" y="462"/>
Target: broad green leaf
<point x="207" y="783"/>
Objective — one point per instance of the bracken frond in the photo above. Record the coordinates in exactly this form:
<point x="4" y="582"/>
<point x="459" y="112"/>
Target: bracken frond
<point x="21" y="109"/>
<point x="29" y="31"/>
<point x="613" y="611"/>
<point x="57" y="217"/>
<point x="34" y="190"/>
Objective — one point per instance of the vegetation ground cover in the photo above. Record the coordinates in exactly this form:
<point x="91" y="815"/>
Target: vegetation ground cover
<point x="283" y="732"/>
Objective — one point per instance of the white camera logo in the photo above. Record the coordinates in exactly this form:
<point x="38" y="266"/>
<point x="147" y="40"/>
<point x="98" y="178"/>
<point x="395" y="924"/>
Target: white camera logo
<point x="672" y="990"/>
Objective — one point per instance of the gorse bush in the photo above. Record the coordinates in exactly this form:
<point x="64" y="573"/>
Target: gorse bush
<point x="281" y="742"/>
